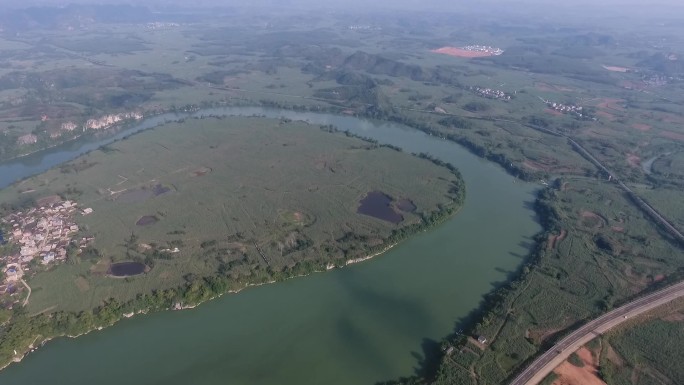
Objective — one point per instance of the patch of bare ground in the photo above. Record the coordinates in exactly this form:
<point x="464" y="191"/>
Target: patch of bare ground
<point x="633" y="160"/>
<point x="613" y="356"/>
<point x="641" y="126"/>
<point x="673" y="135"/>
<point x="553" y="112"/>
<point x="611" y="104"/>
<point x="569" y="374"/>
<point x="592" y="220"/>
<point x="555" y="239"/>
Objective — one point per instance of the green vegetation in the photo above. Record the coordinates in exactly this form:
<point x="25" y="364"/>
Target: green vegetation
<point x="229" y="213"/>
<point x="597" y="251"/>
<point x="647" y="350"/>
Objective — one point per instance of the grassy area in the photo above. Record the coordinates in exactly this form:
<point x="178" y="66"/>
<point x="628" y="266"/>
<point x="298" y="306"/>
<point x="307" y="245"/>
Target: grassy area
<point x="218" y="189"/>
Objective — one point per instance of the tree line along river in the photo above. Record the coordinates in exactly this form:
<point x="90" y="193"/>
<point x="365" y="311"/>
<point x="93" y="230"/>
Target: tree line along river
<point x="361" y="324"/>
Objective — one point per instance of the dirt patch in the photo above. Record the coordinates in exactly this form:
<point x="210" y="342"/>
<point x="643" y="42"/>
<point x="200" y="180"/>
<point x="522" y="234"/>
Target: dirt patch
<point x="611" y="104"/>
<point x="555" y="239"/>
<point x="592" y="220"/>
<point x="633" y="160"/>
<point x="532" y="165"/>
<point x="202" y="171"/>
<point x="618" y="229"/>
<point x="460" y="52"/>
<point x="570" y="374"/>
<point x="673" y="135"/>
<point x="641" y="127"/>
<point x="553" y="112"/>
<point x="49" y="200"/>
<point x="82" y="284"/>
<point x="614" y="357"/>
<point x="674" y="317"/>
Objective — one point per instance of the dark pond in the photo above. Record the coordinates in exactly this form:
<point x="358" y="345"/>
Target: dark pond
<point x="147" y="220"/>
<point x="126" y="269"/>
<point x="159" y="189"/>
<point x="377" y="205"/>
<point x="135" y="196"/>
<point x="406" y="205"/>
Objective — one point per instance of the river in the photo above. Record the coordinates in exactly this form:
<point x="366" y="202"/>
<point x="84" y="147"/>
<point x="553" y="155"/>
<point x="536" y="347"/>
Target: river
<point x="357" y="325"/>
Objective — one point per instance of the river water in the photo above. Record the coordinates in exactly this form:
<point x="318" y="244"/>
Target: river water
<point x="358" y="325"/>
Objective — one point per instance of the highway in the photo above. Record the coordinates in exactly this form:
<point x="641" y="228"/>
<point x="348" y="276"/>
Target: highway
<point x="548" y="361"/>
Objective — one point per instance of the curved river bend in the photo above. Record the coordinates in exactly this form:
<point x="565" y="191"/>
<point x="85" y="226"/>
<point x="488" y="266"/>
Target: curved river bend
<point x="358" y="325"/>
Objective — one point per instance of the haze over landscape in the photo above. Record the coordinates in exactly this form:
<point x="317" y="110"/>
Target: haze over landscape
<point x="304" y="192"/>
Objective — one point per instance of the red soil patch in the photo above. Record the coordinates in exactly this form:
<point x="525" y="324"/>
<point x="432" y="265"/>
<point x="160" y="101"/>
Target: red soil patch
<point x="658" y="277"/>
<point x="670" y="118"/>
<point x="633" y="160"/>
<point x="553" y="112"/>
<point x="618" y="229"/>
<point x="610" y="104"/>
<point x="591" y="219"/>
<point x="555" y="239"/>
<point x="641" y="126"/>
<point x="460" y="52"/>
<point x="534" y="165"/>
<point x="570" y="374"/>
<point x="673" y="135"/>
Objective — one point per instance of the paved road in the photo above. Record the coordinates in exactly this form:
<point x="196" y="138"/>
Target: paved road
<point x="548" y="361"/>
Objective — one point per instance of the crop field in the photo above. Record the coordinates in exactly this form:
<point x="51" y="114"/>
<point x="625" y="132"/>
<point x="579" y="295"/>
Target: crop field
<point x="646" y="350"/>
<point x="243" y="195"/>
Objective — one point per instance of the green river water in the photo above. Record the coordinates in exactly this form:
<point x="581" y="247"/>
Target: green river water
<point x="365" y="323"/>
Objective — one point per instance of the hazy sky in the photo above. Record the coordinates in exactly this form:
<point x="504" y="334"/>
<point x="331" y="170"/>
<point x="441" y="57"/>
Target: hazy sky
<point x="593" y="9"/>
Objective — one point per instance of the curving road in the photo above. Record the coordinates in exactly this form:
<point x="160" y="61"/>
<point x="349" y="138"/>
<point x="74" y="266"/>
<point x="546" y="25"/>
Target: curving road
<point x="548" y="361"/>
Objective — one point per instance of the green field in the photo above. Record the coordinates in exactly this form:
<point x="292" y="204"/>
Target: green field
<point x="217" y="189"/>
<point x="647" y="350"/>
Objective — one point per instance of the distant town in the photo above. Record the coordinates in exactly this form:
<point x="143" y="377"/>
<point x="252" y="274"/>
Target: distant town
<point x="484" y="48"/>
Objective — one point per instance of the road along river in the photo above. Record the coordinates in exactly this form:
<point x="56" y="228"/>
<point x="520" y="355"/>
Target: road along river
<point x="358" y="325"/>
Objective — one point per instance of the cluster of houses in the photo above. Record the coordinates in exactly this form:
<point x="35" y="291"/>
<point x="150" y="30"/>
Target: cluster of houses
<point x="565" y="108"/>
<point x="43" y="234"/>
<point x="491" y="93"/>
<point x="161" y="25"/>
<point x="484" y="48"/>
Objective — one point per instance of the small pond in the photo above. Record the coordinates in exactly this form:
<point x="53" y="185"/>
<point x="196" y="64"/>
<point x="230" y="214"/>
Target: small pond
<point x="377" y="204"/>
<point x="147" y="220"/>
<point x="127" y="269"/>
